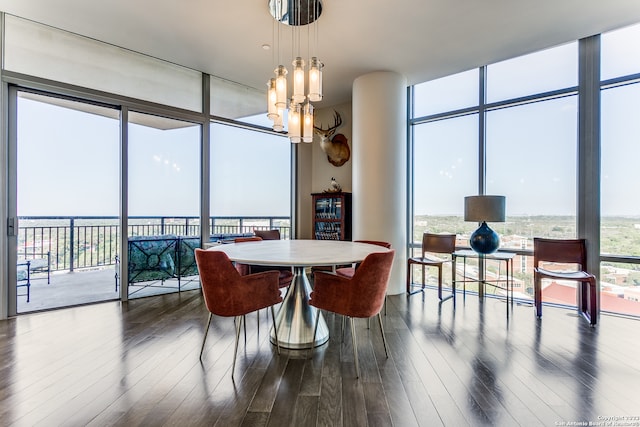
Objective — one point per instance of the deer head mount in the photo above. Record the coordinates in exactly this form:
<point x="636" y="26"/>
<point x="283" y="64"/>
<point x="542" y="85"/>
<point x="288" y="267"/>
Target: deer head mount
<point x="336" y="148"/>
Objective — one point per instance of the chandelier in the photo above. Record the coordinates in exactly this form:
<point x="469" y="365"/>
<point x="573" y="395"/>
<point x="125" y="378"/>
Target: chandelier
<point x="306" y="77"/>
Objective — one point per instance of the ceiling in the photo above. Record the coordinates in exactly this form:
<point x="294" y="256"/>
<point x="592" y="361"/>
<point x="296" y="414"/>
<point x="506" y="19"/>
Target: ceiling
<point x="421" y="39"/>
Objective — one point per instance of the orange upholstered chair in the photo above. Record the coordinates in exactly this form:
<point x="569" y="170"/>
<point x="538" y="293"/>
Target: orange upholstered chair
<point x="570" y="251"/>
<point x="433" y="244"/>
<point x="229" y="294"/>
<point x="360" y="296"/>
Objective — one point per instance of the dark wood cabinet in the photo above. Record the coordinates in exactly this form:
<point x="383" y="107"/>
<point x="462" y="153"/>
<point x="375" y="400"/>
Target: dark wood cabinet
<point x="332" y="216"/>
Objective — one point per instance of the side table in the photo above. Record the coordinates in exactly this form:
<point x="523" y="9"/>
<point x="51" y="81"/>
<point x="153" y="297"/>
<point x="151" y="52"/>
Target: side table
<point x="506" y="257"/>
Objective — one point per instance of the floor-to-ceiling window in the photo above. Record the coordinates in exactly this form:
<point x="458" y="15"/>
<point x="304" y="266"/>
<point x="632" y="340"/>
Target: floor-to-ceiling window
<point x="527" y="132"/>
<point x="127" y="118"/>
<point x="620" y="203"/>
<point x="487" y="137"/>
<point x="531" y="153"/>
<point x="250" y="181"/>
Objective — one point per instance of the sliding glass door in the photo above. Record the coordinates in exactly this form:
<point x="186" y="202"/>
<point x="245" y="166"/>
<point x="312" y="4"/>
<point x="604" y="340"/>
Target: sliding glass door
<point x="164" y="203"/>
<point x="67" y="188"/>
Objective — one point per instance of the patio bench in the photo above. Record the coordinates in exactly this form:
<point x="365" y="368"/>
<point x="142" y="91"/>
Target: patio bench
<point x="27" y="267"/>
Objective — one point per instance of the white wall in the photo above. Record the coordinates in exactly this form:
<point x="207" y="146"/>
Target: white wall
<point x="322" y="171"/>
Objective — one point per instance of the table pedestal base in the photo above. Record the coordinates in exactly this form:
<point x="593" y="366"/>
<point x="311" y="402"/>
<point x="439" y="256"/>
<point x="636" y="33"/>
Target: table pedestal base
<point x="296" y="318"/>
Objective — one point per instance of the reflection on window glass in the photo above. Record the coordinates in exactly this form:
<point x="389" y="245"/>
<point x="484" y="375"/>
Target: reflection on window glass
<point x="620" y="204"/>
<point x="445" y="170"/>
<point x="534" y="166"/>
<point x="84" y="138"/>
<point x="164" y="200"/>
<point x="237" y="102"/>
<point x="164" y="168"/>
<point x="620" y="52"/>
<point x="40" y="50"/>
<point x="68" y="187"/>
<point x="250" y="177"/>
<point x="446" y="94"/>
<point x="620" y="288"/>
<point x="547" y="70"/>
<point x="531" y="159"/>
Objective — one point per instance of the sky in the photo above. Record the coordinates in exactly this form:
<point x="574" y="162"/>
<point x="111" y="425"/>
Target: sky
<point x="68" y="164"/>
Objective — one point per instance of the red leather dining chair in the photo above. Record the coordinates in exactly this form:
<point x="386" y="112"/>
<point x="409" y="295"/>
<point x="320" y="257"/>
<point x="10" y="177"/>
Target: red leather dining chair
<point x="350" y="271"/>
<point x="229" y="294"/>
<point x="245" y="268"/>
<point x="286" y="275"/>
<point x="361" y="296"/>
<point x="433" y="244"/>
<point x="267" y="234"/>
<point x="569" y="251"/>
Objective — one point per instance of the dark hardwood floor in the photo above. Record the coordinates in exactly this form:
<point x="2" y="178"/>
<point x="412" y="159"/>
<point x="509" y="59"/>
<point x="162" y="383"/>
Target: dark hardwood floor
<point x="137" y="364"/>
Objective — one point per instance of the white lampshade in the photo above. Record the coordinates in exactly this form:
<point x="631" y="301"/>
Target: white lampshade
<point x="298" y="81"/>
<point x="315" y="80"/>
<point x="307" y="125"/>
<point x="281" y="87"/>
<point x="484" y="208"/>
<point x="278" y="126"/>
<point x="272" y="110"/>
<point x="294" y="123"/>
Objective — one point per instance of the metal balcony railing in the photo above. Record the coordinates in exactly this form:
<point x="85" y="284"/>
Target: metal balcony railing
<point x="76" y="242"/>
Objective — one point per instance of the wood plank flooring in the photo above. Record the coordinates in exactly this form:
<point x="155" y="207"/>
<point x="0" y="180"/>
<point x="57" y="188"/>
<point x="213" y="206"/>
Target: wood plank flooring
<point x="136" y="364"/>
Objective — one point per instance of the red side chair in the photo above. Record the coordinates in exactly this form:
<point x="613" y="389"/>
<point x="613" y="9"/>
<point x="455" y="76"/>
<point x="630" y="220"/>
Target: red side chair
<point x="229" y="294"/>
<point x="349" y="271"/>
<point x="267" y="234"/>
<point x="433" y="244"/>
<point x="570" y="252"/>
<point x="247" y="239"/>
<point x="286" y="275"/>
<point x="245" y="268"/>
<point x="361" y="296"/>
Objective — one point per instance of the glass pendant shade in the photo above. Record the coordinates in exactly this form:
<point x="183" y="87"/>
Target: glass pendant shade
<point x="307" y="125"/>
<point x="272" y="110"/>
<point x="315" y="80"/>
<point x="278" y="126"/>
<point x="298" y="81"/>
<point x="294" y="123"/>
<point x="281" y="87"/>
<point x="295" y="98"/>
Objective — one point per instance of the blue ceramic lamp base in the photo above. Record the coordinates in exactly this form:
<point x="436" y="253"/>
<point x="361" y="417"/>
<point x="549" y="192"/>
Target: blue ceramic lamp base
<point x="484" y="240"/>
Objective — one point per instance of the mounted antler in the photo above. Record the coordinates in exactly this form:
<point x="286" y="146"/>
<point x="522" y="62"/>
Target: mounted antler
<point x="336" y="148"/>
<point x="327" y="133"/>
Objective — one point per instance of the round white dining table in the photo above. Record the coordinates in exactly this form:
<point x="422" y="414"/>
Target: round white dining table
<point x="295" y="318"/>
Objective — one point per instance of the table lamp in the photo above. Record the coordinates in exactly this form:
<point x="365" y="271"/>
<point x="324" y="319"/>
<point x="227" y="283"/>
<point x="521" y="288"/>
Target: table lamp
<point x="482" y="209"/>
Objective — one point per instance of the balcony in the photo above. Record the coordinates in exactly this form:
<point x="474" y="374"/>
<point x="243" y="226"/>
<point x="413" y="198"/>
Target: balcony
<point x="83" y="253"/>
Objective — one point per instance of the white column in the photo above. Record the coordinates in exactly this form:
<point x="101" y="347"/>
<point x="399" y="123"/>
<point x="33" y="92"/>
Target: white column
<point x="379" y="153"/>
